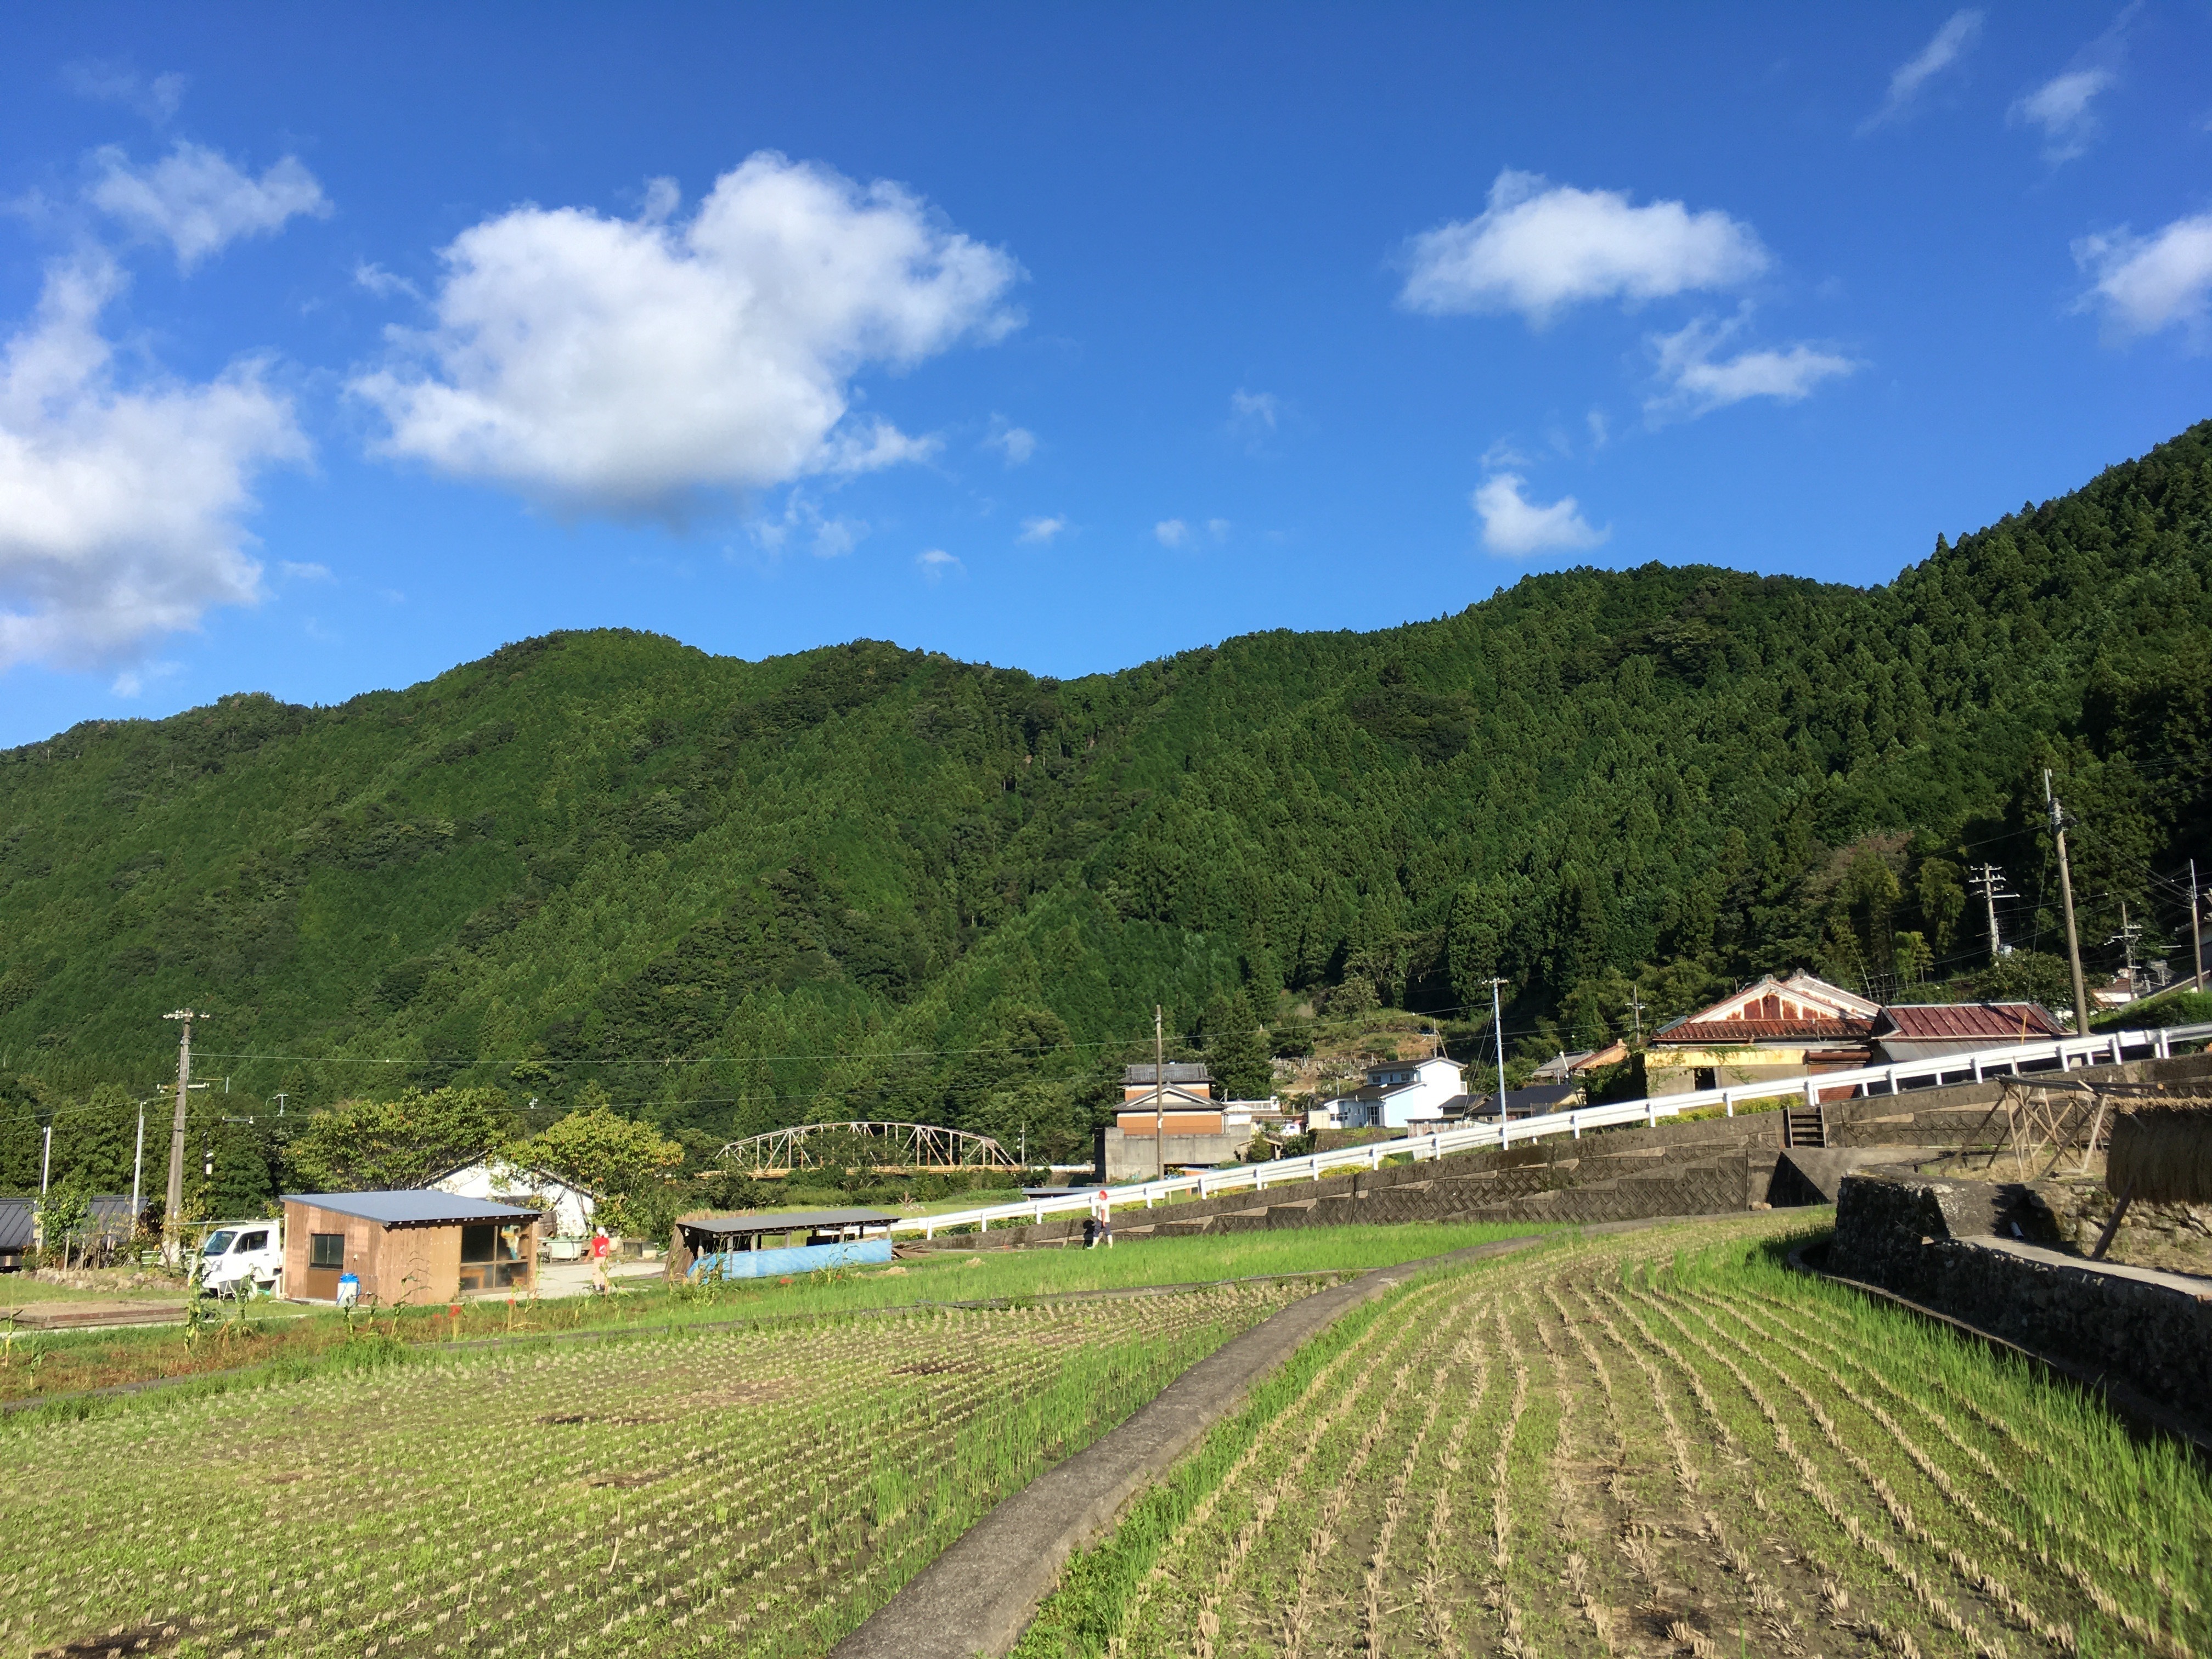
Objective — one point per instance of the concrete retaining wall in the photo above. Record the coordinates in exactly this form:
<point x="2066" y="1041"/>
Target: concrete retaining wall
<point x="1697" y="1167"/>
<point x="1947" y="1244"/>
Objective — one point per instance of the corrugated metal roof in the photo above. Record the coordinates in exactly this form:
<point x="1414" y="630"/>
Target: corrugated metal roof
<point x="1702" y="1032"/>
<point x="415" y="1207"/>
<point x="731" y="1224"/>
<point x="17" y="1220"/>
<point x="1178" y="1071"/>
<point x="1994" y="1020"/>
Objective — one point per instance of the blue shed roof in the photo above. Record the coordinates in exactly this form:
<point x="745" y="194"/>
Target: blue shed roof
<point x="415" y="1208"/>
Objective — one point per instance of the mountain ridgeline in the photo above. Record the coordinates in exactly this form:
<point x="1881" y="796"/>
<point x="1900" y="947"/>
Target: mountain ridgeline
<point x="866" y="881"/>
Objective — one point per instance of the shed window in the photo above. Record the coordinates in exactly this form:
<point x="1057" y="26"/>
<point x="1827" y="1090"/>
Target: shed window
<point x="492" y="1256"/>
<point x="326" y="1249"/>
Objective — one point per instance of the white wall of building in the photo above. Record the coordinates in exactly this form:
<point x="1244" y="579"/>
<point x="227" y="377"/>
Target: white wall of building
<point x="500" y="1181"/>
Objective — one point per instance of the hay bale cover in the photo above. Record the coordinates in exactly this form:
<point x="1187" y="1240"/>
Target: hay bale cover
<point x="2162" y="1154"/>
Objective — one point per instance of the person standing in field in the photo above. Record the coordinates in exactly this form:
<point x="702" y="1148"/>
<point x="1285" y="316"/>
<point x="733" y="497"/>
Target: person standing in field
<point x="600" y="1245"/>
<point x="1101" y="1220"/>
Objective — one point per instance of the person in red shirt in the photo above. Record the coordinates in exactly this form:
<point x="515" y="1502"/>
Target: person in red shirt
<point x="1101" y="1220"/>
<point x="601" y="1245"/>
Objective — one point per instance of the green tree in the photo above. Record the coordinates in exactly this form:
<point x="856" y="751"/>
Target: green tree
<point x="367" y="1145"/>
<point x="1942" y="900"/>
<point x="599" y="1149"/>
<point x="1236" y="1048"/>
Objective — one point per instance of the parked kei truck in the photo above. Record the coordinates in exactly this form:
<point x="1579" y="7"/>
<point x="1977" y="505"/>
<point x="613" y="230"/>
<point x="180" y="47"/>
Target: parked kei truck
<point x="241" y="1257"/>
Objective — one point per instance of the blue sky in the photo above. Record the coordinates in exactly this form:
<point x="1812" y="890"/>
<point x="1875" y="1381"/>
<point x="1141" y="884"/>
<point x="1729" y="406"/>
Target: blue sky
<point x="343" y="346"/>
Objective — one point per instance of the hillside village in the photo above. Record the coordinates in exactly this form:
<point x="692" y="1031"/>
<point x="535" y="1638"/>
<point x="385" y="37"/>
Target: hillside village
<point x="1094" y="832"/>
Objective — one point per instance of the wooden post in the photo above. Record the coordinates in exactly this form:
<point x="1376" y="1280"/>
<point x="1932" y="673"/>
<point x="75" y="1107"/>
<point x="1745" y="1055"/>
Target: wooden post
<point x="2112" y="1226"/>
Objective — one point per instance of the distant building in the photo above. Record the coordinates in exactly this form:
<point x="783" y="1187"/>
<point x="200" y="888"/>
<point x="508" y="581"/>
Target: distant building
<point x="1534" y="1100"/>
<point x="1398" y="1094"/>
<point x="1915" y="1031"/>
<point x="1777" y="1028"/>
<point x="568" y="1205"/>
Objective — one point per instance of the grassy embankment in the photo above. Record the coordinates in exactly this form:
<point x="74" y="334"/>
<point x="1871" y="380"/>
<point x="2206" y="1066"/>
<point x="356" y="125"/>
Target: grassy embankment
<point x="272" y="1341"/>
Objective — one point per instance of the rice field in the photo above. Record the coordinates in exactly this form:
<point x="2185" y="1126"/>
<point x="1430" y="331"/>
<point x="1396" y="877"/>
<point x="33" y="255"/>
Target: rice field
<point x="756" y="1492"/>
<point x="1660" y="1443"/>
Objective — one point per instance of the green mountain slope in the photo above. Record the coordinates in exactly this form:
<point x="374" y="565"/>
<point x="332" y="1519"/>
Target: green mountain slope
<point x="868" y="881"/>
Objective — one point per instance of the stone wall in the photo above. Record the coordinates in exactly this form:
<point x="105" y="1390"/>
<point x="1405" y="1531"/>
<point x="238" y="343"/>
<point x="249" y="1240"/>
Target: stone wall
<point x="1930" y="1240"/>
<point x="1477" y="1188"/>
<point x="1698" y="1166"/>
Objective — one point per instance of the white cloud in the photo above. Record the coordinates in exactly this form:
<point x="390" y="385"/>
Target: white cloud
<point x="1699" y="381"/>
<point x="2147" y="284"/>
<point x="936" y="564"/>
<point x="1171" y="532"/>
<point x="1537" y="248"/>
<point x="1040" y="531"/>
<point x="806" y="525"/>
<point x="623" y="366"/>
<point x="1218" y="529"/>
<point x="1255" y="409"/>
<point x="2060" y="107"/>
<point x="305" y="573"/>
<point x="1947" y="44"/>
<point x="195" y="200"/>
<point x="1017" y="444"/>
<point x="1514" y="525"/>
<point x="131" y="682"/>
<point x="154" y="97"/>
<point x="120" y="508"/>
<point x="382" y="283"/>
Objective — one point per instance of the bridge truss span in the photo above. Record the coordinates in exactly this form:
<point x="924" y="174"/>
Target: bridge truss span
<point x="883" y="1148"/>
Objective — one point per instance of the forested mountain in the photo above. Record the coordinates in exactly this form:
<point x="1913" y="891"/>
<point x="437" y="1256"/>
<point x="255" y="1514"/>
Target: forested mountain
<point x="871" y="881"/>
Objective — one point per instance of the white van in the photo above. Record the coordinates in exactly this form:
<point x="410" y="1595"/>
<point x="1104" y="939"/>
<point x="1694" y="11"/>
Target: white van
<point x="244" y="1256"/>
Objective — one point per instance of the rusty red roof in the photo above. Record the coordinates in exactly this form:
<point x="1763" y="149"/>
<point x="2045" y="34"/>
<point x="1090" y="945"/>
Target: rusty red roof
<point x="1703" y="1032"/>
<point x="1936" y="1021"/>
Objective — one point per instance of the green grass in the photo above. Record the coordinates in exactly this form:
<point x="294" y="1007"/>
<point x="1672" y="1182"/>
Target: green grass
<point x="753" y="1491"/>
<point x="249" y="1341"/>
<point x="1793" y="1458"/>
<point x="20" y="1290"/>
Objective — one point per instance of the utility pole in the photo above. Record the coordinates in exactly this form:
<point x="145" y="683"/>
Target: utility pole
<point x="1988" y="882"/>
<point x="1498" y="1026"/>
<point x="172" y="1207"/>
<point x="137" y="1165"/>
<point x="2196" y="926"/>
<point x="281" y="1099"/>
<point x="1636" y="1008"/>
<point x="2066" y="889"/>
<point x="47" y="1162"/>
<point x="1159" y="1098"/>
<point x="2125" y="939"/>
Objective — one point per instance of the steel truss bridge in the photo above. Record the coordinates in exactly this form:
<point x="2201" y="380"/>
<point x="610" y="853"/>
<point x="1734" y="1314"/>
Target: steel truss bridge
<point x="879" y="1148"/>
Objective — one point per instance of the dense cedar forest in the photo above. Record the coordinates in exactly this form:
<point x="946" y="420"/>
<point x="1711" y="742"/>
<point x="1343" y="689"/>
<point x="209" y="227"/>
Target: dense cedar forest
<point x="867" y="881"/>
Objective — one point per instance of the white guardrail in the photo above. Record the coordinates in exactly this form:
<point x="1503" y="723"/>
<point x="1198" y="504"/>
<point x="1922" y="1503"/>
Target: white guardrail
<point x="1972" y="1066"/>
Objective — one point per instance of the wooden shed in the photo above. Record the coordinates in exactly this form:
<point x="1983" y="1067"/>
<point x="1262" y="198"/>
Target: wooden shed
<point x="412" y="1246"/>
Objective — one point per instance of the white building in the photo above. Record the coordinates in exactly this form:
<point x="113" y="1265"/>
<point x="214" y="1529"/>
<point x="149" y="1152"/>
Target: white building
<point x="568" y="1207"/>
<point x="1397" y="1095"/>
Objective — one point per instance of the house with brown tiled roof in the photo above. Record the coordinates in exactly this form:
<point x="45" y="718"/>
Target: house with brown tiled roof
<point x="1775" y="1027"/>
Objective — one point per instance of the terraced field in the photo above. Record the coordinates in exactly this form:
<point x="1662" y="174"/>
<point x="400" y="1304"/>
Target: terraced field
<point x="754" y="1493"/>
<point x="1664" y="1443"/>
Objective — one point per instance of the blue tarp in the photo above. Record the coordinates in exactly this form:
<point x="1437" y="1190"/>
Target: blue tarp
<point x="803" y="1259"/>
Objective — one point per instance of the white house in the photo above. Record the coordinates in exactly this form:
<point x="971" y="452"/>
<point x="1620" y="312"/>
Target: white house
<point x="1398" y="1094"/>
<point x="568" y="1207"/>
